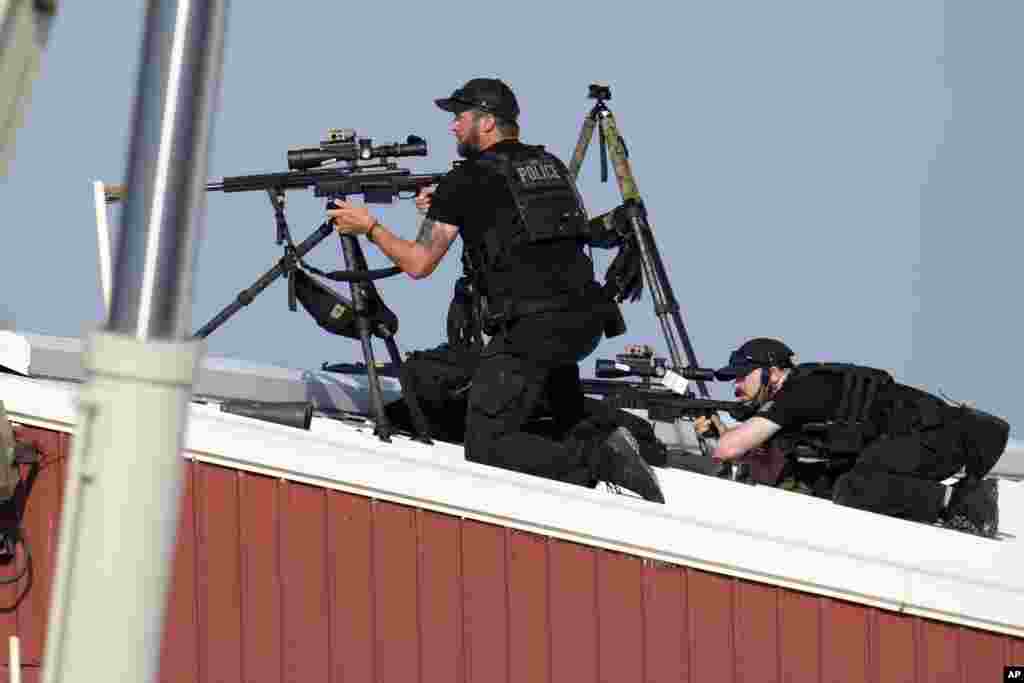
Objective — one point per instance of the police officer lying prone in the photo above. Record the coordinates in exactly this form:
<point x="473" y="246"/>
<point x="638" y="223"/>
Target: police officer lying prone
<point x="853" y="434"/>
<point x="523" y="224"/>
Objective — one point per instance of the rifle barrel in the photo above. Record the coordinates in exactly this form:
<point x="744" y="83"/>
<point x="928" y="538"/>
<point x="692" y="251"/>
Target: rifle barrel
<point x="327" y="181"/>
<point x="660" y="401"/>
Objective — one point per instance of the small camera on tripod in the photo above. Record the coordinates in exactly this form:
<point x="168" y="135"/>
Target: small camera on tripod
<point x="600" y="92"/>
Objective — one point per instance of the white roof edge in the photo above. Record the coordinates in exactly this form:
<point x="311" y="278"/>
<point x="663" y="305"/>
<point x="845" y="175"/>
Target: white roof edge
<point x="220" y="376"/>
<point x="794" y="541"/>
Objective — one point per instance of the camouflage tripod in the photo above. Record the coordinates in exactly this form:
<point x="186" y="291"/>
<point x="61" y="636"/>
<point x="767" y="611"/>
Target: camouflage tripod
<point x="665" y="305"/>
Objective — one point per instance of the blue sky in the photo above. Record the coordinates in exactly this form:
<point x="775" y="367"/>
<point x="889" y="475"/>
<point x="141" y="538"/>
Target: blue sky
<point x="845" y="176"/>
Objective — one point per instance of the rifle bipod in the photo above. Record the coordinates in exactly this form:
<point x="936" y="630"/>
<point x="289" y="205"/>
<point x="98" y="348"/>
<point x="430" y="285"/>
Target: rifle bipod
<point x="666" y="308"/>
<point x="366" y="316"/>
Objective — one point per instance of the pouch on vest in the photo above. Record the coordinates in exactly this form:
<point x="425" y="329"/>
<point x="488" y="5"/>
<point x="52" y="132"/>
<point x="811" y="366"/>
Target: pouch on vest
<point x="908" y="410"/>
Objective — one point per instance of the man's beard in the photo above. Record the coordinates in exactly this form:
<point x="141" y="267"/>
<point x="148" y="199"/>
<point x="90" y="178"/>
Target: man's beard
<point x="470" y="147"/>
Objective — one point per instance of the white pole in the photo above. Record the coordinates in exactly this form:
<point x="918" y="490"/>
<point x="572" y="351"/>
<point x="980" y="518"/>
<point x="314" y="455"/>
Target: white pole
<point x="14" y="660"/>
<point x="122" y="497"/>
<point x="103" y="244"/>
<point x="24" y="31"/>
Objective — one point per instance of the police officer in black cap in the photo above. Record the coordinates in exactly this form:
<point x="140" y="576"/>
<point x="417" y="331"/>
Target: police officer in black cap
<point x="523" y="226"/>
<point x="886" y="446"/>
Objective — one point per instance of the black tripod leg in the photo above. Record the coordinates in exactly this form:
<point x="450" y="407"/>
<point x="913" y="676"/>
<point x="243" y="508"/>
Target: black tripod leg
<point x="410" y="393"/>
<point x="420" y="423"/>
<point x="350" y="250"/>
<point x="419" y="420"/>
<point x="392" y="347"/>
<point x="671" y="306"/>
<point x="666" y="308"/>
<point x="264" y="281"/>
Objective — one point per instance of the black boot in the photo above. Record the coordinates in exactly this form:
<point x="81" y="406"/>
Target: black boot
<point x="619" y="463"/>
<point x="974" y="507"/>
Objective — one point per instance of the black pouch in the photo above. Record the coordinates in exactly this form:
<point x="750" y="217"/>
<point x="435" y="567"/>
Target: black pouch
<point x="440" y="374"/>
<point x="336" y="314"/>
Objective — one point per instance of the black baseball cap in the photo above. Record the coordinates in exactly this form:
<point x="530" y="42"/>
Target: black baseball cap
<point x="486" y="94"/>
<point x="756" y="353"/>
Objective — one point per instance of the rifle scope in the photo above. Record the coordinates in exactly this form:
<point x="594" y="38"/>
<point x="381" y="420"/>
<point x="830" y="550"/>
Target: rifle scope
<point x="624" y="366"/>
<point x="342" y="145"/>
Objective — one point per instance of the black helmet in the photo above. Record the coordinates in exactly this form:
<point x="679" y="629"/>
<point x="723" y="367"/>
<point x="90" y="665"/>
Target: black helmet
<point x="486" y="94"/>
<point x="756" y="353"/>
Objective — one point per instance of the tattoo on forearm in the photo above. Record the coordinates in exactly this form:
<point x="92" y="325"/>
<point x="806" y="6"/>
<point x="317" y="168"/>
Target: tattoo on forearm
<point x="426" y="233"/>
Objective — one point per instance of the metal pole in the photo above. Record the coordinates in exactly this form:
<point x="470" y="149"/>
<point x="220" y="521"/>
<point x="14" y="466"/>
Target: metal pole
<point x="122" y="500"/>
<point x="167" y="168"/>
<point x="24" y="32"/>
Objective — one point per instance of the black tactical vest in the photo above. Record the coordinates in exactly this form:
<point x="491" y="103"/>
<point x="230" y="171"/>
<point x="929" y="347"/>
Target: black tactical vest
<point x="855" y="420"/>
<point x="547" y="214"/>
<point x="871" y="405"/>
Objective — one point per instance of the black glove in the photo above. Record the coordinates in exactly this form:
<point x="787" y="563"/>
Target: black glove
<point x="609" y="229"/>
<point x="624" y="278"/>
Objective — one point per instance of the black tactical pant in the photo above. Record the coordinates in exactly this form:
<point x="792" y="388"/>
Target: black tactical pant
<point x="440" y="378"/>
<point x="901" y="476"/>
<point x="436" y="383"/>
<point x="533" y="362"/>
<point x="491" y="400"/>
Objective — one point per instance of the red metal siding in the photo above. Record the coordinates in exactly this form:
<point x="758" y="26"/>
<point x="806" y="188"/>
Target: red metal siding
<point x="666" y="624"/>
<point x="485" y="603"/>
<point x="572" y="611"/>
<point x="529" y="621"/>
<point x="259" y="512"/>
<point x="305" y="622"/>
<point x="756" y="635"/>
<point x="276" y="581"/>
<point x="218" y="574"/>
<point x="179" y="656"/>
<point x="439" y="592"/>
<point x="396" y="632"/>
<point x="893" y="641"/>
<point x="352" y="594"/>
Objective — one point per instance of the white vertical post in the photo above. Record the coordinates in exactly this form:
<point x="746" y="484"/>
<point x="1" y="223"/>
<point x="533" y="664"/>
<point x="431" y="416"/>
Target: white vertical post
<point x="14" y="659"/>
<point x="24" y="30"/>
<point x="104" y="244"/>
<point x="122" y="497"/>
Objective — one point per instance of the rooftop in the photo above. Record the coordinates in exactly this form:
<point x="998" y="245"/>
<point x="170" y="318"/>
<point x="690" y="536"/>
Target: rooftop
<point x="751" y="532"/>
